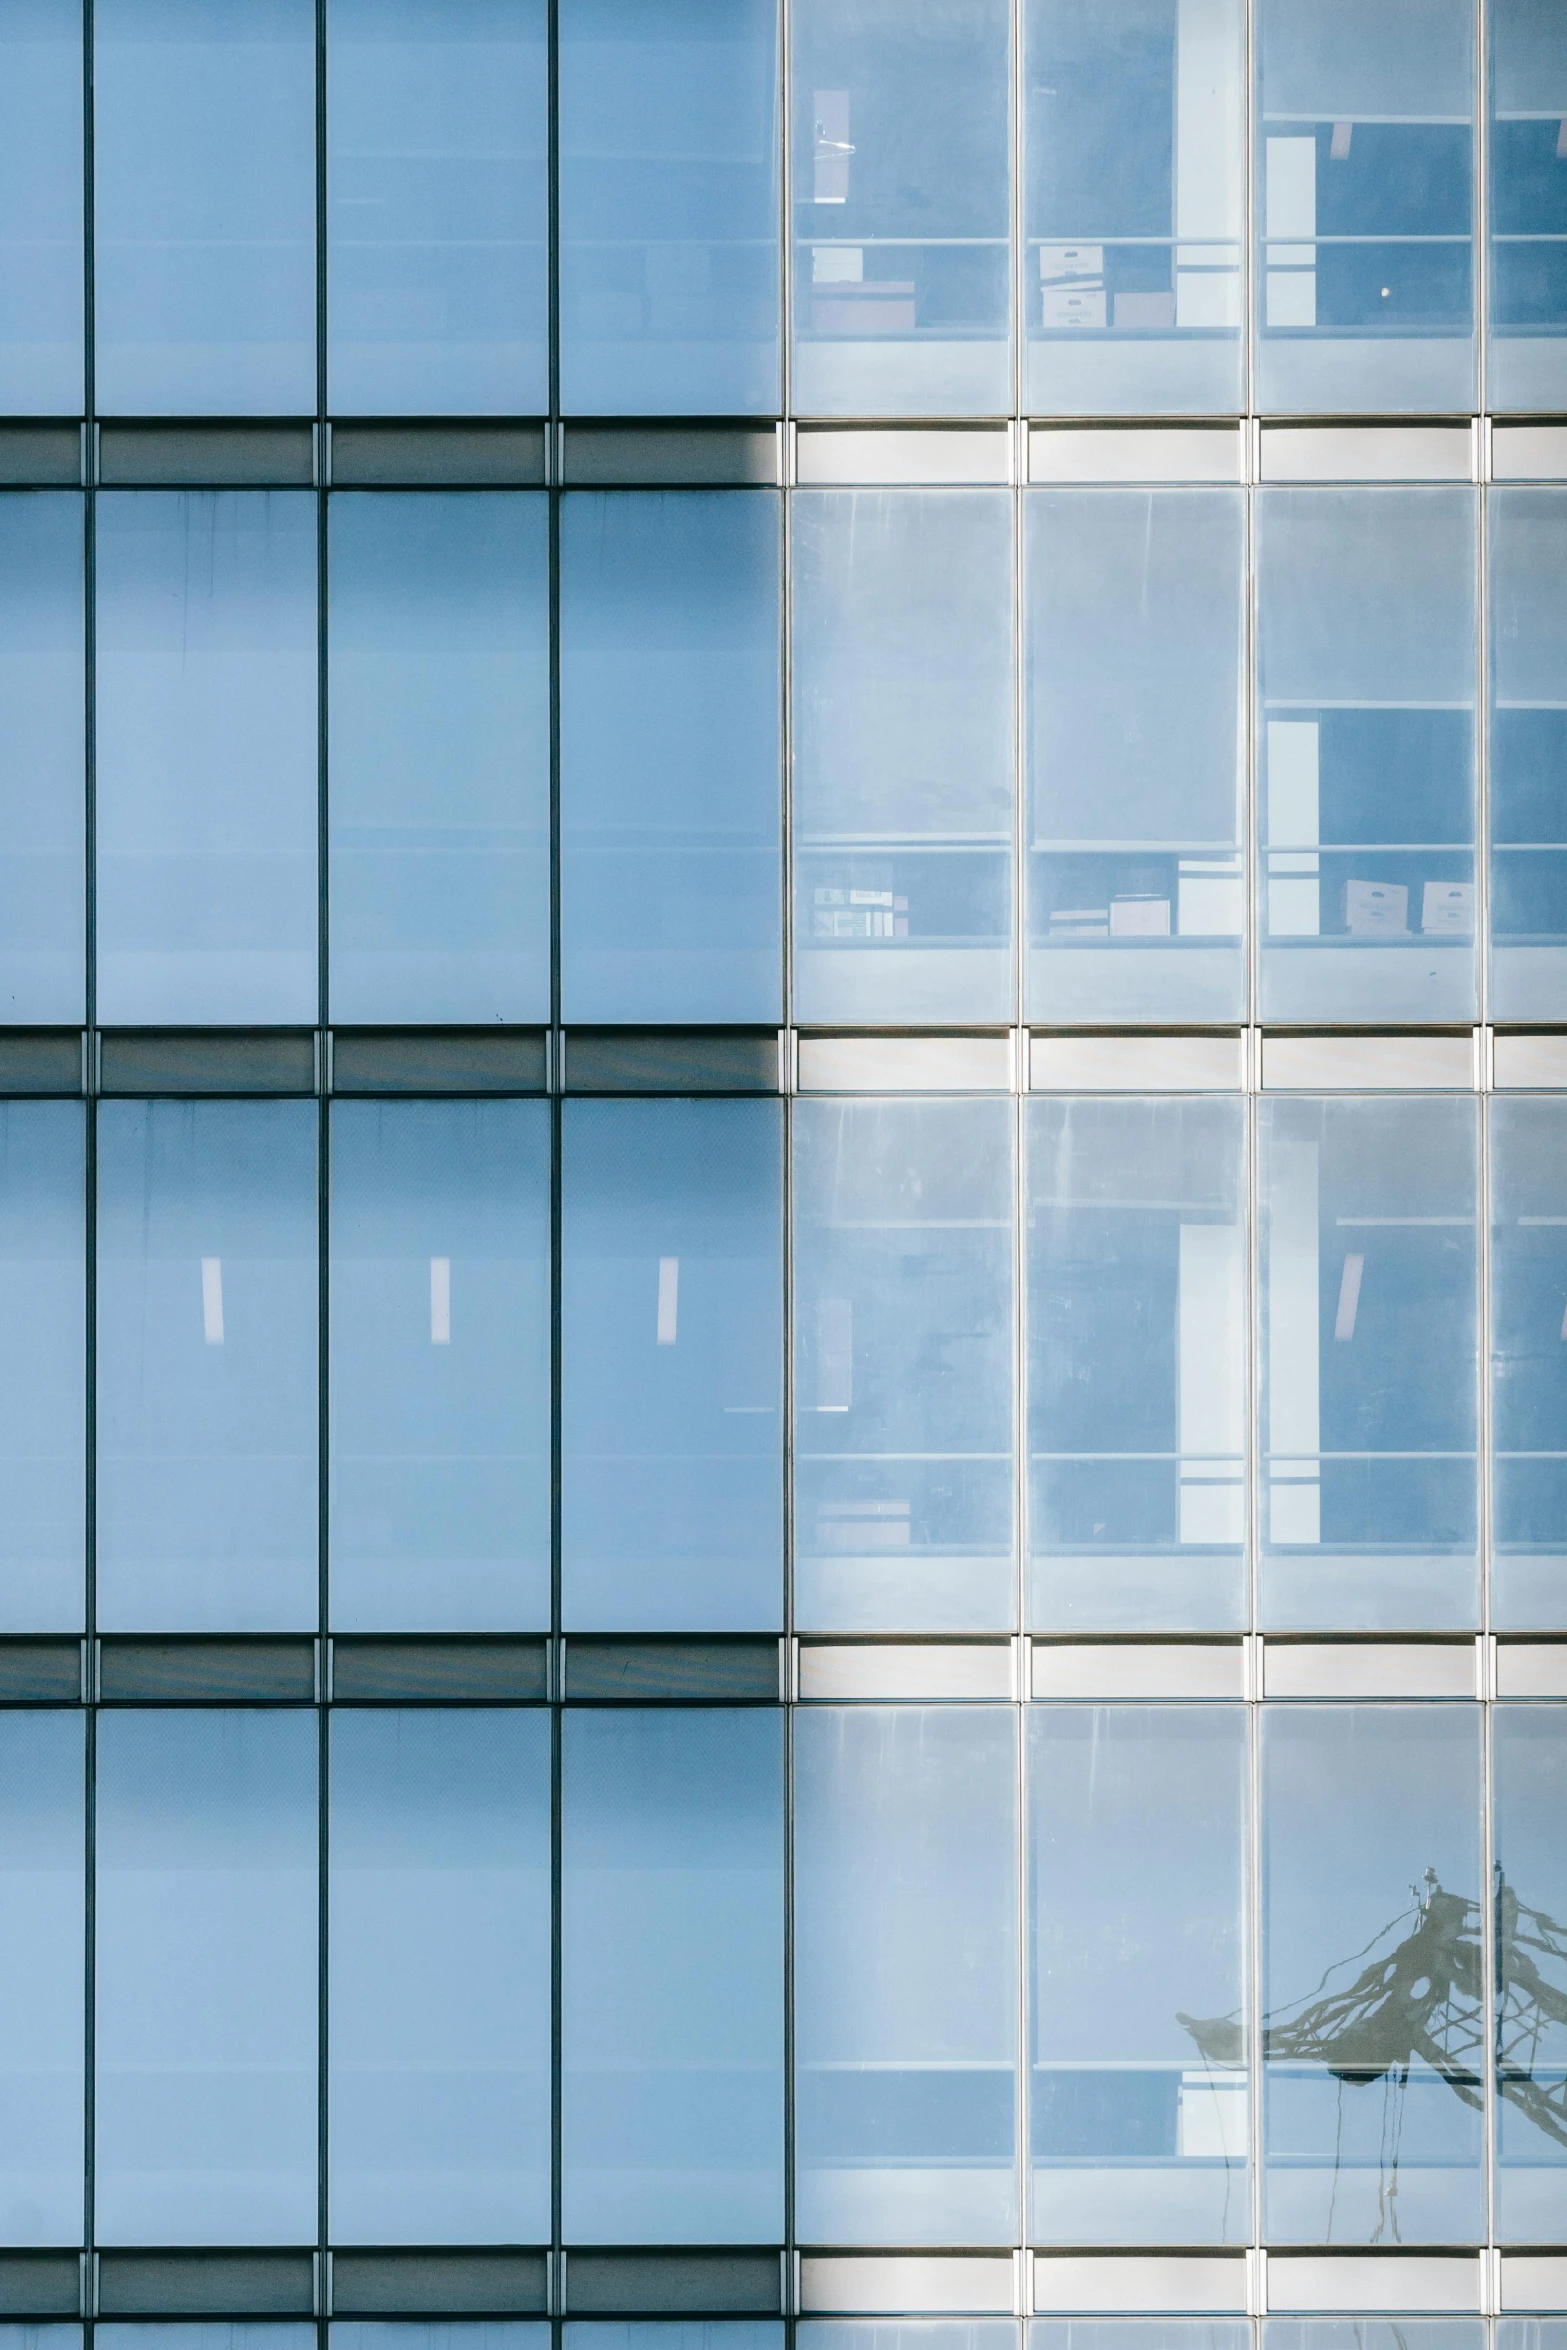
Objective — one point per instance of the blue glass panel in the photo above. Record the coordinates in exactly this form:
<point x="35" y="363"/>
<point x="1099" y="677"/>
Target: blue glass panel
<point x="41" y="208"/>
<point x="1529" y="1365"/>
<point x="207" y="1313"/>
<point x="749" y="2333"/>
<point x="1528" y="275"/>
<point x="1527" y="559"/>
<point x="438" y="802"/>
<point x="1375" y="2333"/>
<point x="42" y="723"/>
<point x="1529" y="1782"/>
<point x="439" y="2334"/>
<point x="42" y="1842"/>
<point x="1140" y="2333"/>
<point x="909" y="2333"/>
<point x="673" y="1971"/>
<point x="672" y="1402"/>
<point x="183" y="2334"/>
<point x="43" y="1366"/>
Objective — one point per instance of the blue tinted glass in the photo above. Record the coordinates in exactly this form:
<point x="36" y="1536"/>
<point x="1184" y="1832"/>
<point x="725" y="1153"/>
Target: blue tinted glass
<point x="438" y="804"/>
<point x="42" y="1841"/>
<point x="41" y="750"/>
<point x="673" y="1973"/>
<point x="41" y="208"/>
<point x="1374" y="2333"/>
<point x="670" y="757"/>
<point x="207" y="756"/>
<point x="1137" y="1348"/>
<point x="207" y="1310"/>
<point x="436" y="204"/>
<point x="40" y="2337"/>
<point x="440" y="1377"/>
<point x="1527" y="556"/>
<point x="755" y="2333"/>
<point x="905" y="1944"/>
<point x="1529" y="1364"/>
<point x="672" y="1402"/>
<point x="440" y="1977"/>
<point x="908" y="2333"/>
<point x="206" y="1978"/>
<point x="268" y="2334"/>
<point x="1366" y="742"/>
<point x="1371" y="1923"/>
<point x="1140" y="2333"/>
<point x="43" y="1344"/>
<point x="669" y="207"/>
<point x="204" y="207"/>
<point x="1529" y="1781"/>
<point x="1528" y="276"/>
<point x="438" y="2334"/>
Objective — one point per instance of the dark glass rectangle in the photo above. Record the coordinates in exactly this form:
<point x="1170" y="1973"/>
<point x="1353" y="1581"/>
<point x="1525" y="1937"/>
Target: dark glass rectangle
<point x="439" y="456"/>
<point x="663" y="1060"/>
<point x="447" y="2284"/>
<point x="211" y="1060"/>
<point x="672" y="1672"/>
<point x="41" y="456"/>
<point x="440" y="1672"/>
<point x="732" y="456"/>
<point x="40" y="1672"/>
<point x="206" y="2284"/>
<point x="215" y="1672"/>
<point x="40" y="2284"/>
<point x="697" y="2284"/>
<point x="437" y="1060"/>
<point x="40" y="1060"/>
<point x="206" y="456"/>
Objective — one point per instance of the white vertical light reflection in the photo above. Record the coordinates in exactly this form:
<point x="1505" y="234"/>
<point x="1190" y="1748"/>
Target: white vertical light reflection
<point x="212" y="1300"/>
<point x="440" y="1301"/>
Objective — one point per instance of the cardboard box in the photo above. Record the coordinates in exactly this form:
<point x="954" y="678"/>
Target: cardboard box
<point x="1376" y="909"/>
<point x="1447" y="909"/>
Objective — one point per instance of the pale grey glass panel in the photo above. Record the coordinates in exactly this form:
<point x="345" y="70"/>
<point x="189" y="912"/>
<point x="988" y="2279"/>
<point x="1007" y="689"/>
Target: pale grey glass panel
<point x="438" y="807"/>
<point x="204" y="207"/>
<point x="205" y="1975"/>
<point x="903" y="1391"/>
<point x="903" y="755"/>
<point x="1136" y="1365"/>
<point x="754" y="2333"/>
<point x="1373" y="2016"/>
<point x="908" y="2333"/>
<point x="439" y="2334"/>
<point x="1137" y="1884"/>
<point x="1529" y="1365"/>
<point x="905" y="1956"/>
<point x="1369" y="1368"/>
<point x="1374" y="2333"/>
<point x="207" y="1308"/>
<point x="671" y="756"/>
<point x="1531" y="2333"/>
<point x="669" y="169"/>
<point x="1527" y="287"/>
<point x="902" y="207"/>
<point x="440" y="1372"/>
<point x="437" y="125"/>
<point x="1366" y="754"/>
<point x="1527" y="560"/>
<point x="207" y="756"/>
<point x="1135" y="617"/>
<point x="42" y="732"/>
<point x="1140" y="2333"/>
<point x="672" y="1366"/>
<point x="1365" y="205"/>
<point x="672" y="1957"/>
<point x="1135" y="204"/>
<point x="439" y="2002"/>
<point x="42" y="1924"/>
<point x="41" y="208"/>
<point x="43" y="1366"/>
<point x="1529" y="1792"/>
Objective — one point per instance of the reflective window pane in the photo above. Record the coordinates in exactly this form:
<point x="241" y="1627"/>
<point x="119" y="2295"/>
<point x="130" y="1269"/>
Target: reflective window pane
<point x="41" y="208"/>
<point x="1376" y="2333"/>
<point x="184" y="2334"/>
<point x="207" y="756"/>
<point x="42" y="1842"/>
<point x="903" y="755"/>
<point x="207" y="1311"/>
<point x="42" y="733"/>
<point x="902" y="207"/>
<point x="1365" y="205"/>
<point x="1140" y="2333"/>
<point x="669" y="291"/>
<point x="1528" y="271"/>
<point x="672" y="1967"/>
<point x="1366" y="748"/>
<point x="1527" y="559"/>
<point x="438" y="807"/>
<point x="672" y="1366"/>
<point x="908" y="2333"/>
<point x="436" y="205"/>
<point x="671" y="759"/>
<point x="1137" y="1352"/>
<point x="43" y="1368"/>
<point x="1529" y="1782"/>
<point x="206" y="1978"/>
<point x="1372" y="2012"/>
<point x="204" y="207"/>
<point x="1135" y="197"/>
<point x="749" y="2333"/>
<point x="1529" y="1365"/>
<point x="1135" y="603"/>
<point x="440" y="1377"/>
<point x="905" y="1984"/>
<point x="1369" y="1370"/>
<point x="404" y="2333"/>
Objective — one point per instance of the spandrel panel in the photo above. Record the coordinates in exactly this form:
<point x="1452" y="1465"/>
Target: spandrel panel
<point x="1369" y="1366"/>
<point x="1136" y="1365"/>
<point x="672" y="1367"/>
<point x="1527" y="561"/>
<point x="1366" y="754"/>
<point x="206" y="756"/>
<point x="42" y="1956"/>
<point x="1135" y="613"/>
<point x="440" y="1372"/>
<point x="905" y="1957"/>
<point x="41" y="208"/>
<point x="669" y="168"/>
<point x="672" y="1930"/>
<point x="473" y="2333"/>
<point x="43" y="1366"/>
<point x="439" y="1937"/>
<point x="903" y="756"/>
<point x="1529" y="1365"/>
<point x="671" y="757"/>
<point x="204" y="207"/>
<point x="438" y="810"/>
<point x="1375" y="2333"/>
<point x="42" y="749"/>
<point x="745" y="2333"/>
<point x="1373" y="2017"/>
<point x="902" y="207"/>
<point x="205" y="1977"/>
<point x="1529" y="1793"/>
<point x="437" y="203"/>
<point x="903" y="1388"/>
<point x="1135" y="201"/>
<point x="207" y="1314"/>
<point x="1528" y="266"/>
<point x="1364" y="201"/>
<point x="1140" y="2333"/>
<point x="908" y="2333"/>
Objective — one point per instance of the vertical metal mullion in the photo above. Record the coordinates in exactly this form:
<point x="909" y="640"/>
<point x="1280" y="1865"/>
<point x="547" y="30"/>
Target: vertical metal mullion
<point x="556" y="1653"/>
<point x="786" y="210"/>
<point x="1256" y="2039"/>
<point x="324" y="1621"/>
<point x="1021" y="1649"/>
<point x="90" y="1676"/>
<point x="1480" y="211"/>
<point x="89" y="1168"/>
<point x="1255" y="1491"/>
<point x="1488" y="1955"/>
<point x="1251" y="275"/>
<point x="552" y="470"/>
<point x="1017" y="274"/>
